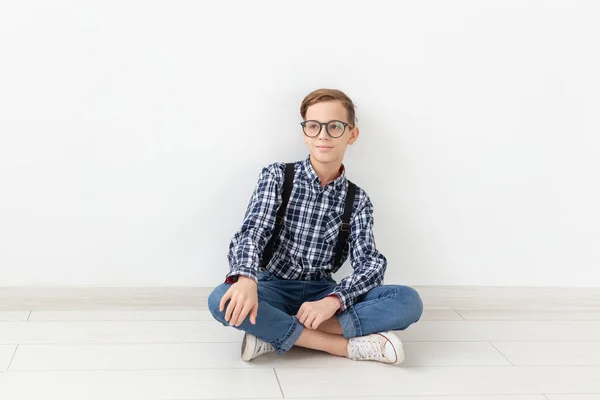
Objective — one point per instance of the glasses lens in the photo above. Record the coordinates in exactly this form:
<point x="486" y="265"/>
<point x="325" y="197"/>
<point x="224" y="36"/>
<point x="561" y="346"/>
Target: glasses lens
<point x="311" y="128"/>
<point x="335" y="128"/>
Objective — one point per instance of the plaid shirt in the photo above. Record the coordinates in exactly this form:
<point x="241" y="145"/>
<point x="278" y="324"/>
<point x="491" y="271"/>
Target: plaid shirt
<point x="309" y="234"/>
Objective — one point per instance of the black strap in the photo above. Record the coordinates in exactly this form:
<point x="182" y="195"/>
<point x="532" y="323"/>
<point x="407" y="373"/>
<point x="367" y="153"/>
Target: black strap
<point x="287" y="190"/>
<point x="288" y="184"/>
<point x="345" y="228"/>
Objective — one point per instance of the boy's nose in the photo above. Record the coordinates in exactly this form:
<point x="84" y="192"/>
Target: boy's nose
<point x="323" y="133"/>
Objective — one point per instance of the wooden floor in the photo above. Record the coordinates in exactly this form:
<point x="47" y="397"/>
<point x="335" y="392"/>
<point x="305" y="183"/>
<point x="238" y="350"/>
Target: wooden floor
<point x="184" y="354"/>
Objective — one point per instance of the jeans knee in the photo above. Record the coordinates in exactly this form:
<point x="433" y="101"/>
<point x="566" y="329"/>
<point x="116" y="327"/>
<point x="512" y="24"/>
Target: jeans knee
<point x="214" y="301"/>
<point x="411" y="301"/>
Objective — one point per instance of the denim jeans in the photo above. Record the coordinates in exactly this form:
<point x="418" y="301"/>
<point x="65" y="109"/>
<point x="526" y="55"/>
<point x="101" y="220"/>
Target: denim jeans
<point x="384" y="308"/>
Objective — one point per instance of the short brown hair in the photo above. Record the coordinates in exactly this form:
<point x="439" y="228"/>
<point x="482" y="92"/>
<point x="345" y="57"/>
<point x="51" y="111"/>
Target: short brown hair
<point x="321" y="95"/>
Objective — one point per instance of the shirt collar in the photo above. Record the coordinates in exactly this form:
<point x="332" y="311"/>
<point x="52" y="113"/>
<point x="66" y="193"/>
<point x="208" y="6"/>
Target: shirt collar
<point x="313" y="178"/>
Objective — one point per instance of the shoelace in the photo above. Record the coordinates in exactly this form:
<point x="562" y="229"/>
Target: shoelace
<point x="264" y="348"/>
<point x="366" y="349"/>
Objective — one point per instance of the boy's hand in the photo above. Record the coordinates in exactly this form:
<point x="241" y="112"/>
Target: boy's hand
<point x="312" y="313"/>
<point x="244" y="300"/>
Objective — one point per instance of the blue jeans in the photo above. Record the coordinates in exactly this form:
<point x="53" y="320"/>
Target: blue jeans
<point x="383" y="308"/>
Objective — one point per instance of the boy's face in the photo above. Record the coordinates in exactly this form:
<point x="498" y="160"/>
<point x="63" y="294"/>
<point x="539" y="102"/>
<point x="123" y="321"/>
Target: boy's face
<point x="323" y="147"/>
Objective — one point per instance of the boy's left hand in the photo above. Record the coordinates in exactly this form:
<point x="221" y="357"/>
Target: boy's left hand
<point x="312" y="313"/>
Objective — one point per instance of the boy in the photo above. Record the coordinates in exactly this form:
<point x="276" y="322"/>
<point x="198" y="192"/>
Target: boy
<point x="291" y="299"/>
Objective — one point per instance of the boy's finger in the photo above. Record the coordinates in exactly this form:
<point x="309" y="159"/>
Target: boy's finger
<point x="316" y="323"/>
<point x="236" y="313"/>
<point x="243" y="314"/>
<point x="303" y="317"/>
<point x="230" y="308"/>
<point x="309" y="321"/>
<point x="253" y="314"/>
<point x="224" y="299"/>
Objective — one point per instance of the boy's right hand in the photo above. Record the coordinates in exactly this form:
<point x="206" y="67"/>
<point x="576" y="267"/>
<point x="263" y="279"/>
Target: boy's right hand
<point x="244" y="300"/>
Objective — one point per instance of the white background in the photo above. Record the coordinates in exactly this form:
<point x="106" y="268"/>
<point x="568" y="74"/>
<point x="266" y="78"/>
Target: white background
<point x="132" y="134"/>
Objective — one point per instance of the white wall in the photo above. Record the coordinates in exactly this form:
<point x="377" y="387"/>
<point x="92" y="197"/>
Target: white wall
<point x="132" y="134"/>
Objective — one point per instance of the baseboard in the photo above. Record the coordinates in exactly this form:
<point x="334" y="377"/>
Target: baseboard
<point x="165" y="298"/>
<point x="510" y="298"/>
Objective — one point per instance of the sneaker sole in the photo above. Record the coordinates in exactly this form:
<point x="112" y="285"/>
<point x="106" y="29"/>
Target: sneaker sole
<point x="397" y="345"/>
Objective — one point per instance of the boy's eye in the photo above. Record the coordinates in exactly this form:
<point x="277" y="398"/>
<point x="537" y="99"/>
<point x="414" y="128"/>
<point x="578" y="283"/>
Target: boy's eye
<point x="313" y="126"/>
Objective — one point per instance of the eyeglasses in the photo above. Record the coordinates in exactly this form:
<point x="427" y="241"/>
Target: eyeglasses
<point x="334" y="128"/>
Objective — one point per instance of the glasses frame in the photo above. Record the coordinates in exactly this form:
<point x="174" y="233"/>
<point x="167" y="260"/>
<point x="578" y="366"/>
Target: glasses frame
<point x="303" y="123"/>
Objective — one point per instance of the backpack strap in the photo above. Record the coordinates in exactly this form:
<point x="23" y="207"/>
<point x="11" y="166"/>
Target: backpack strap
<point x="288" y="184"/>
<point x="345" y="228"/>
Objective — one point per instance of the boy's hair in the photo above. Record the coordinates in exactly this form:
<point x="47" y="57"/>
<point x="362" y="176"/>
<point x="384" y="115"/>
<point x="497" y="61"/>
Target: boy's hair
<point x="321" y="95"/>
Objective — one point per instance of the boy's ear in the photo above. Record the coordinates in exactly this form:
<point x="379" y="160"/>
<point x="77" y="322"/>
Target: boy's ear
<point x="353" y="135"/>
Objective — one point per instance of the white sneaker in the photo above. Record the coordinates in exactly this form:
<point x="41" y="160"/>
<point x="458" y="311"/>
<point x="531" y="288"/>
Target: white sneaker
<point x="253" y="347"/>
<point x="384" y="347"/>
